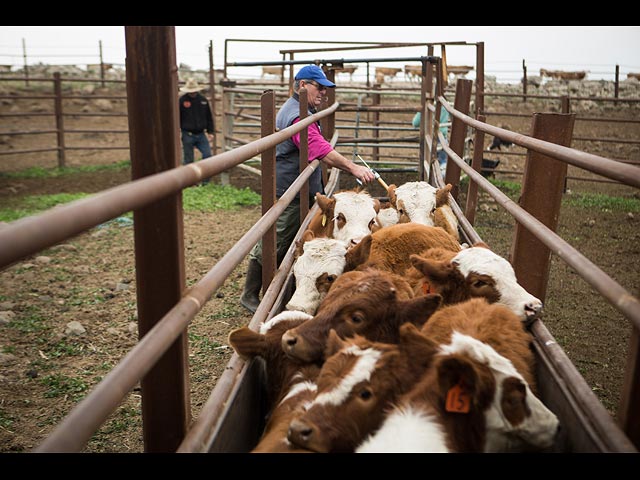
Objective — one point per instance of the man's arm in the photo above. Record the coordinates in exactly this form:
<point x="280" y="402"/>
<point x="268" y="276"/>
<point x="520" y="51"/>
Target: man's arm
<point x="335" y="159"/>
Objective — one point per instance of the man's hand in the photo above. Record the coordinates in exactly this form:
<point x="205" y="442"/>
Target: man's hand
<point x="362" y="173"/>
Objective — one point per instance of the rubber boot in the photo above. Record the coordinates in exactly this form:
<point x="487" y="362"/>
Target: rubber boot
<point x="252" y="286"/>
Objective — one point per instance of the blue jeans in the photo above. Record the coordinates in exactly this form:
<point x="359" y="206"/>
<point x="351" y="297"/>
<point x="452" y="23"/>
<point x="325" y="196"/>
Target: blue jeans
<point x="191" y="141"/>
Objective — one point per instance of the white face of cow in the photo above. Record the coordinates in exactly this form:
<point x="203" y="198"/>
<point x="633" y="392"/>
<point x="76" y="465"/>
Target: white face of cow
<point x="418" y="201"/>
<point x="322" y="261"/>
<point x="485" y="262"/>
<point x="282" y="317"/>
<point x="537" y="429"/>
<point x="388" y="216"/>
<point x="355" y="215"/>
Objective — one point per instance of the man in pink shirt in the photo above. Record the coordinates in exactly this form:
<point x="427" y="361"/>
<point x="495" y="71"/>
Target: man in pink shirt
<point x="315" y="82"/>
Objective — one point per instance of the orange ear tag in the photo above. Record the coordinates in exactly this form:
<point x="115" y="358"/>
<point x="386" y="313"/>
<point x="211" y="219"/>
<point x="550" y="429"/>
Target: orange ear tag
<point x="426" y="287"/>
<point x="458" y="401"/>
<point x="324" y="219"/>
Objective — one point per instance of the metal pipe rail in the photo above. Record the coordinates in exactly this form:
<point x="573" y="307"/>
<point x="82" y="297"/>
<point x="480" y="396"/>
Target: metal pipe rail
<point x="31" y="234"/>
<point x="617" y="295"/>
<point x="594" y="163"/>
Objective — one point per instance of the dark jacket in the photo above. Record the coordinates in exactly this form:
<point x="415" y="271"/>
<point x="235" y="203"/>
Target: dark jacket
<point x="195" y="114"/>
<point x="288" y="155"/>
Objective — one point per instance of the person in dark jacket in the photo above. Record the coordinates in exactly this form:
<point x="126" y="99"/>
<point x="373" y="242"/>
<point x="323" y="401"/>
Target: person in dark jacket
<point x="313" y="79"/>
<point x="196" y="122"/>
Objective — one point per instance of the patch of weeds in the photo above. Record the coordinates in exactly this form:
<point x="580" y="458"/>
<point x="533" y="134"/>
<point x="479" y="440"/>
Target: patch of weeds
<point x="62" y="385"/>
<point x="39" y="172"/>
<point x="34" y="204"/>
<point x="218" y="197"/>
<point x="604" y="203"/>
<point x="62" y="348"/>
<point x="29" y="321"/>
<point x="204" y="345"/>
<point x="124" y="419"/>
<point x="9" y="349"/>
<point x="6" y="420"/>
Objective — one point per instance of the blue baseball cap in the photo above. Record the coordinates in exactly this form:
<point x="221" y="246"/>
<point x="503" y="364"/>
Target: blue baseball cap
<point x="314" y="72"/>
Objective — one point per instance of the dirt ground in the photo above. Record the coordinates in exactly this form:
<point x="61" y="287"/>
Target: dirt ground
<point x="91" y="279"/>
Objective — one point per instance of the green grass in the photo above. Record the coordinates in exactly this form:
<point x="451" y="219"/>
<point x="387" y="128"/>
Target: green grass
<point x="62" y="385"/>
<point x="218" y="197"/>
<point x="603" y="203"/>
<point x="39" y="172"/>
<point x="32" y="205"/>
<point x="29" y="321"/>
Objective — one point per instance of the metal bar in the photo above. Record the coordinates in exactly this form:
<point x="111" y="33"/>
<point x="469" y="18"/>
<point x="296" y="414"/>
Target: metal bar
<point x="158" y="230"/>
<point x="542" y="186"/>
<point x="330" y="61"/>
<point x="31" y="234"/>
<point x="479" y="78"/>
<point x="29" y="132"/>
<point x="594" y="163"/>
<point x="616" y="295"/>
<point x="268" y="188"/>
<point x="555" y="97"/>
<point x="304" y="152"/>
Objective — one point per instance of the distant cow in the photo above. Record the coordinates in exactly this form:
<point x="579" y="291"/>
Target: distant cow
<point x="383" y="73"/>
<point x="350" y="69"/>
<point x="413" y="72"/>
<point x="633" y="75"/>
<point x="277" y="71"/>
<point x="561" y="75"/>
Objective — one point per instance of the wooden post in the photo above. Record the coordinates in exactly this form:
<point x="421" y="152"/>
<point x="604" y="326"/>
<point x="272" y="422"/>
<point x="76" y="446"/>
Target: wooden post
<point x="524" y="81"/>
<point x="476" y="164"/>
<point x="617" y="84"/>
<point x="101" y="64"/>
<point x="375" y="101"/>
<point x="212" y="99"/>
<point x="57" y="90"/>
<point x="328" y="124"/>
<point x="479" y="79"/>
<point x="304" y="154"/>
<point x="422" y="155"/>
<point x="26" y="66"/>
<point x="268" y="189"/>
<point x="158" y="228"/>
<point x="542" y="185"/>
<point x="458" y="132"/>
<point x="628" y="411"/>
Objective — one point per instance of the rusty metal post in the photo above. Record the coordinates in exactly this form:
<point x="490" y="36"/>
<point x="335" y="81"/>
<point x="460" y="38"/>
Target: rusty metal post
<point x="212" y="98"/>
<point x="158" y="228"/>
<point x="304" y="154"/>
<point x="57" y="91"/>
<point x="422" y="147"/>
<point x="268" y="181"/>
<point x="228" y="121"/>
<point x="375" y="101"/>
<point x="616" y="85"/>
<point x="476" y="164"/>
<point x="328" y="124"/>
<point x="458" y="132"/>
<point x="26" y="66"/>
<point x="101" y="64"/>
<point x="542" y="184"/>
<point x="524" y="81"/>
<point x="628" y="411"/>
<point x="479" y="78"/>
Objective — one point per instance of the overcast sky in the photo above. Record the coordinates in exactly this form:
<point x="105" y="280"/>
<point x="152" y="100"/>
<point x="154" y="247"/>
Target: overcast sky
<point x="596" y="49"/>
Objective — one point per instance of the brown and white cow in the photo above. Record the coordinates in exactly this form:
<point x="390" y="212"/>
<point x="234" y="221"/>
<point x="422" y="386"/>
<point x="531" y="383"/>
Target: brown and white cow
<point x="319" y="261"/>
<point x="348" y="216"/>
<point x="289" y="383"/>
<point x="472" y="272"/>
<point x="477" y="395"/>
<point x="390" y="248"/>
<point x="358" y="382"/>
<point x="370" y="303"/>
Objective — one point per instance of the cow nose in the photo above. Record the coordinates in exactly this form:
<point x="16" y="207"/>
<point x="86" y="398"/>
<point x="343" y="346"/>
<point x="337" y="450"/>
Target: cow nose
<point x="300" y="432"/>
<point x="532" y="311"/>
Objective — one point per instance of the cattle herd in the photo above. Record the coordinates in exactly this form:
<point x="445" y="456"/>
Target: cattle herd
<point x="398" y="338"/>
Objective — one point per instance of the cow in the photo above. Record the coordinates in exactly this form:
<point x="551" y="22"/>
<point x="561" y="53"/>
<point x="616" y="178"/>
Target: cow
<point x="386" y="72"/>
<point x="270" y="70"/>
<point x="388" y="215"/>
<point x="319" y="261"/>
<point x="348" y="216"/>
<point x="478" y="393"/>
<point x="358" y="382"/>
<point x="370" y="303"/>
<point x="390" y="248"/>
<point x="419" y="202"/>
<point x="289" y="383"/>
<point x="413" y="72"/>
<point x="472" y="272"/>
<point x="350" y="69"/>
<point x="561" y="75"/>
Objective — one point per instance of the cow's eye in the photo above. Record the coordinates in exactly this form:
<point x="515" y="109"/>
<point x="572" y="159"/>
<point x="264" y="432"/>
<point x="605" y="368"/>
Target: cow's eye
<point x="372" y="223"/>
<point x="433" y="210"/>
<point x="357" y="318"/>
<point x="331" y="278"/>
<point x="365" y="394"/>
<point x="479" y="284"/>
<point x="401" y="211"/>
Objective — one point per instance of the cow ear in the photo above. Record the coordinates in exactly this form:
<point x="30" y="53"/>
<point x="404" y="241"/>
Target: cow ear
<point x="359" y="254"/>
<point x="418" y="310"/>
<point x="442" y="195"/>
<point x="334" y="344"/>
<point x="481" y="245"/>
<point x="391" y="191"/>
<point x="416" y="346"/>
<point x="433" y="270"/>
<point x="376" y="205"/>
<point x="457" y="372"/>
<point x="326" y="204"/>
<point x="247" y="343"/>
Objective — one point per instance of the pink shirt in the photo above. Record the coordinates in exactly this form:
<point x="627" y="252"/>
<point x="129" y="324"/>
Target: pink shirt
<point x="318" y="146"/>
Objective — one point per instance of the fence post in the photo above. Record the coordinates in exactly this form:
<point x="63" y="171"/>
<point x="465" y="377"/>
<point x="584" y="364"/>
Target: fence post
<point x="628" y="412"/>
<point x="375" y="101"/>
<point x="158" y="228"/>
<point x="479" y="79"/>
<point x="304" y="154"/>
<point x="101" y="64"/>
<point x="212" y="89"/>
<point x="476" y="163"/>
<point x="57" y="91"/>
<point x="26" y="66"/>
<point x="617" y="84"/>
<point x="542" y="185"/>
<point x="458" y="131"/>
<point x="268" y="182"/>
<point x="328" y="125"/>
<point x="227" y="124"/>
<point x="524" y="81"/>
